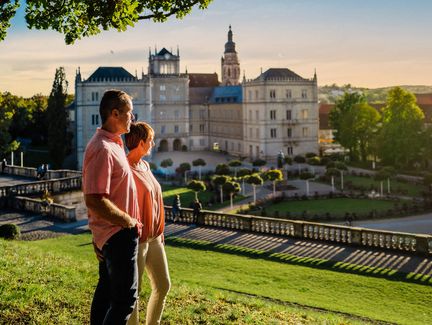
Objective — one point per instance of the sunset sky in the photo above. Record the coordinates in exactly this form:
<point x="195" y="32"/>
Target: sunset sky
<point x="366" y="43"/>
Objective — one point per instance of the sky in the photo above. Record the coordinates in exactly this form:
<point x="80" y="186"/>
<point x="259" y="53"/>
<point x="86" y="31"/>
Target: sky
<point x="366" y="43"/>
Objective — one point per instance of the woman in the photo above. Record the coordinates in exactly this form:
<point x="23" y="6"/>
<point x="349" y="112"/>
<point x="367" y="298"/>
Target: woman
<point x="151" y="251"/>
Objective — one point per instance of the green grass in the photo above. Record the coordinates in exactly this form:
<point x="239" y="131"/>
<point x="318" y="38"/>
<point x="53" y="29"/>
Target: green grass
<point x="336" y="207"/>
<point x="410" y="189"/>
<point x="52" y="282"/>
<point x="187" y="196"/>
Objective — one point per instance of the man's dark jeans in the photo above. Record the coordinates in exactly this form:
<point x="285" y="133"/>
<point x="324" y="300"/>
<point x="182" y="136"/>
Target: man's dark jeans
<point x="117" y="289"/>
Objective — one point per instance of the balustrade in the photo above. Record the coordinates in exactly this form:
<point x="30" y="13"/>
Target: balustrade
<point x="403" y="242"/>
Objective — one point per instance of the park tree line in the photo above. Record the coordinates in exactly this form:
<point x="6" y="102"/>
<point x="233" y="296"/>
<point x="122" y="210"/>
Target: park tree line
<point x="396" y="135"/>
<point x="41" y="121"/>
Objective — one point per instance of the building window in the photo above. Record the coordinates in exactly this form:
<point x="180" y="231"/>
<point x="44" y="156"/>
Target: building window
<point x="191" y="143"/>
<point x="250" y="133"/>
<point x="289" y="133"/>
<point x="288" y="93"/>
<point x="305" y="132"/>
<point x="202" y="114"/>
<point x="256" y="94"/>
<point x="305" y="114"/>
<point x="202" y="126"/>
<point x="95" y="96"/>
<point x="257" y="133"/>
<point x="176" y="129"/>
<point x="304" y="93"/>
<point x="272" y="93"/>
<point x="232" y="146"/>
<point x="162" y="88"/>
<point x="162" y="129"/>
<point x="288" y="114"/>
<point x="202" y="142"/>
<point x="162" y="98"/>
<point x="250" y="94"/>
<point x="95" y="119"/>
<point x="257" y="115"/>
<point x="273" y="115"/>
<point x="238" y="147"/>
<point x="190" y="127"/>
<point x="250" y="115"/>
<point x="177" y="114"/>
<point x="289" y="151"/>
<point x="273" y="133"/>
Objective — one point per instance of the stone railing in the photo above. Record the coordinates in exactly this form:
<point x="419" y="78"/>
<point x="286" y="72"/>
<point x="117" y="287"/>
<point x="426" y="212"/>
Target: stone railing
<point x="50" y="174"/>
<point x="58" y="211"/>
<point x="368" y="238"/>
<point x="38" y="187"/>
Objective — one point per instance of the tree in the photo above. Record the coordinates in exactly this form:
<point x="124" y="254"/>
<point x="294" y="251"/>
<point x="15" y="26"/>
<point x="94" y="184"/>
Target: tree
<point x="274" y="175"/>
<point x="259" y="162"/>
<point x="6" y="117"/>
<point x="197" y="186"/>
<point x="254" y="180"/>
<point x="222" y="169"/>
<point x="402" y="122"/>
<point x="57" y="120"/>
<point x="220" y="181"/>
<point x="385" y="173"/>
<point x="235" y="164"/>
<point x="183" y="168"/>
<point x="355" y="123"/>
<point x="242" y="174"/>
<point x="232" y="188"/>
<point x="81" y="18"/>
<point x="199" y="162"/>
<point x="299" y="159"/>
<point x="165" y="164"/>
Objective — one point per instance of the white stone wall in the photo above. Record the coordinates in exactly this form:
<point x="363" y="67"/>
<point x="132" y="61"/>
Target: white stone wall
<point x="265" y="106"/>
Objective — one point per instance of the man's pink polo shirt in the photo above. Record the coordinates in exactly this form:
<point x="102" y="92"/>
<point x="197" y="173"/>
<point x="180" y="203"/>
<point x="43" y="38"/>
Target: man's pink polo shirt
<point x="106" y="171"/>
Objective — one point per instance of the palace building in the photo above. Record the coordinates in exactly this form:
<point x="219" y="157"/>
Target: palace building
<point x="258" y="118"/>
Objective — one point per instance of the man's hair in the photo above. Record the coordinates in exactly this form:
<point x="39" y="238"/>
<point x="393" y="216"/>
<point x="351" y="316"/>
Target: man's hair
<point x="112" y="99"/>
<point x="138" y="131"/>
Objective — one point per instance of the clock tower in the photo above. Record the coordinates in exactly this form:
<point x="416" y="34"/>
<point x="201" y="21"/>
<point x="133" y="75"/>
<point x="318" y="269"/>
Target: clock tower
<point x="230" y="66"/>
<point x="164" y="62"/>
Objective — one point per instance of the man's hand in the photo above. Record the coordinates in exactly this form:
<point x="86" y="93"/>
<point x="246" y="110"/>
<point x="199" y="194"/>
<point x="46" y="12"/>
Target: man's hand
<point x="99" y="254"/>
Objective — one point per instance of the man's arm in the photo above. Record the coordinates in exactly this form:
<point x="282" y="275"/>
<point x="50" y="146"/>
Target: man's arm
<point x="105" y="209"/>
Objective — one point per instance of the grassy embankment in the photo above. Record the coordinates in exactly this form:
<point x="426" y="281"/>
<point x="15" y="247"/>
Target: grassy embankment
<point x="52" y="281"/>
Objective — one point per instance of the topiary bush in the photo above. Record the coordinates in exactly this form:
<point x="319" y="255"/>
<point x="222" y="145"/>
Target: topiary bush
<point x="9" y="231"/>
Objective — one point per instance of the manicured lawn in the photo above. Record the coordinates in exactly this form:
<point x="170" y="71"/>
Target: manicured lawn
<point x="337" y="206"/>
<point x="187" y="196"/>
<point x="52" y="282"/>
<point x="408" y="189"/>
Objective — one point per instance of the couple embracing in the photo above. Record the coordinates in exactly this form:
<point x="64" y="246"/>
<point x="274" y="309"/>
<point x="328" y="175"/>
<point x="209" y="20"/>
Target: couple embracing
<point x="126" y="215"/>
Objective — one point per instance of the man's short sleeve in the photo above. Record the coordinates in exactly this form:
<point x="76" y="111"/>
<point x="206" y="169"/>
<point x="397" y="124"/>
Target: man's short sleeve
<point x="97" y="172"/>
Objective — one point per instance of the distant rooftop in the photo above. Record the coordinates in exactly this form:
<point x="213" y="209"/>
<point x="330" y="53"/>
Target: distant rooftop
<point x="111" y="73"/>
<point x="203" y="80"/>
<point x="227" y="94"/>
<point x="278" y="73"/>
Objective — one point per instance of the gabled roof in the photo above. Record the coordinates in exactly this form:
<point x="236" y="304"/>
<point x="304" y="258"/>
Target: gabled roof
<point x="279" y="73"/>
<point x="227" y="94"/>
<point x="111" y="73"/>
<point x="164" y="51"/>
<point x="424" y="99"/>
<point x="203" y="80"/>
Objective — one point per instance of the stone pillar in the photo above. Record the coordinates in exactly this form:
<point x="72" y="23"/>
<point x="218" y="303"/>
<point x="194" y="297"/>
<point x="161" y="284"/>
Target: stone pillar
<point x="422" y="245"/>
<point x="298" y="230"/>
<point x="356" y="236"/>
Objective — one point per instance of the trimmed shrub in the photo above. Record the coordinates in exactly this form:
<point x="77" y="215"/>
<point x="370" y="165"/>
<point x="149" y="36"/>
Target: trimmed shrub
<point x="310" y="154"/>
<point x="9" y="231"/>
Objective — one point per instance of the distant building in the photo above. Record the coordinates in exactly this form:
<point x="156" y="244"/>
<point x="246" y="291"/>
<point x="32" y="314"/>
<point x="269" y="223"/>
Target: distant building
<point x="280" y="112"/>
<point x="194" y="111"/>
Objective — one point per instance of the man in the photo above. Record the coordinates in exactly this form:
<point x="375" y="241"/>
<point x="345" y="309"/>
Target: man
<point x="110" y="196"/>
